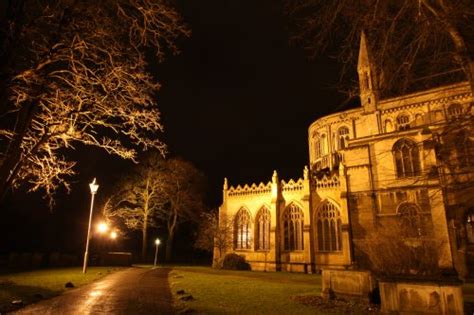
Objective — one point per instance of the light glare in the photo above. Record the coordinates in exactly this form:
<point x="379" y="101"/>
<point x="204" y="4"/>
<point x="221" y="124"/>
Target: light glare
<point x="102" y="227"/>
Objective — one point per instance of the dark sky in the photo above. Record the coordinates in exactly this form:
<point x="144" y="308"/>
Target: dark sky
<point x="237" y="102"/>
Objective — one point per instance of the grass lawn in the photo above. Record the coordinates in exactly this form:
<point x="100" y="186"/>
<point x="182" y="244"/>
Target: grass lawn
<point x="33" y="286"/>
<point x="247" y="292"/>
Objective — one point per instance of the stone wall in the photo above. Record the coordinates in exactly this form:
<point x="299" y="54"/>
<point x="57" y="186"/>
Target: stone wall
<point x="348" y="283"/>
<point x="421" y="298"/>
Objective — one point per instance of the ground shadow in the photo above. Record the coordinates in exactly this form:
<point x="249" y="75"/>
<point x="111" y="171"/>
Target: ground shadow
<point x="22" y="294"/>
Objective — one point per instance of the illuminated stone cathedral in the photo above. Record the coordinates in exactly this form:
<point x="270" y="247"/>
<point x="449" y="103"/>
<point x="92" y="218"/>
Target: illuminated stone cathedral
<point x="383" y="163"/>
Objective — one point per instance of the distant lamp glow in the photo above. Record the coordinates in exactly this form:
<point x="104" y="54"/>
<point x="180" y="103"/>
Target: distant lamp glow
<point x="113" y="235"/>
<point x="157" y="243"/>
<point x="102" y="227"/>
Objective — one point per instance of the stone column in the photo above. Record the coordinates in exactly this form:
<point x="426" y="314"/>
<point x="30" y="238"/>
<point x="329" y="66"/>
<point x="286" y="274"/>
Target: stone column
<point x="275" y="238"/>
<point x="440" y="230"/>
<point x="345" y="216"/>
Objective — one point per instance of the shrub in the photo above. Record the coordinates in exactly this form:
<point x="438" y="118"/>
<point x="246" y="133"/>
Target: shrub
<point x="234" y="262"/>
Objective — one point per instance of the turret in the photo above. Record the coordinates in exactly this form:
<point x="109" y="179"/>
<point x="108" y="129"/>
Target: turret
<point x="275" y="186"/>
<point x="224" y="190"/>
<point x="367" y="77"/>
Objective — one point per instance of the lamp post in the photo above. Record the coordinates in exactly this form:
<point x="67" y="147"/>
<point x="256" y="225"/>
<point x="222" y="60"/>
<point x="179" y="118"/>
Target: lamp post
<point x="157" y="243"/>
<point x="94" y="187"/>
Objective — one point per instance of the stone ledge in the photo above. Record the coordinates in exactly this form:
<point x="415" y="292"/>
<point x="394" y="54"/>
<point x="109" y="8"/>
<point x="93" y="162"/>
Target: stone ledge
<point x="348" y="283"/>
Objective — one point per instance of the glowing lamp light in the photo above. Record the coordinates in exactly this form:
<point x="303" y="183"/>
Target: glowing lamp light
<point x="113" y="235"/>
<point x="94" y="187"/>
<point x="157" y="242"/>
<point x="102" y="227"/>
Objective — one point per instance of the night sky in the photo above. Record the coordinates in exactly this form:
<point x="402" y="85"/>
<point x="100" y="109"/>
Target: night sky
<point x="237" y="103"/>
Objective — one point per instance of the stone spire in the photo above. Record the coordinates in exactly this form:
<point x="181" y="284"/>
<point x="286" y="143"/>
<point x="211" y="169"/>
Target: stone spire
<point x="275" y="186"/>
<point x="367" y="77"/>
<point x="306" y="172"/>
<point x="275" y="177"/>
<point x="224" y="190"/>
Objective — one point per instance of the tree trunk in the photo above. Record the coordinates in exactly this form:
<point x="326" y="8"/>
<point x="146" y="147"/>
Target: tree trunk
<point x="172" y="220"/>
<point x="144" y="238"/>
<point x="169" y="247"/>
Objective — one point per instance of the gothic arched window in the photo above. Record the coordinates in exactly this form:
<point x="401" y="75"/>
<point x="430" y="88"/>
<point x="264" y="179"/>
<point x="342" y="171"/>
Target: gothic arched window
<point x="403" y="122"/>
<point x="463" y="148"/>
<point x="411" y="221"/>
<point x="343" y="137"/>
<point x="419" y="121"/>
<point x="407" y="158"/>
<point x="293" y="223"/>
<point x="329" y="228"/>
<point x="317" y="146"/>
<point x="323" y="144"/>
<point x="388" y="125"/>
<point x="469" y="225"/>
<point x="242" y="230"/>
<point x="455" y="110"/>
<point x="262" y="225"/>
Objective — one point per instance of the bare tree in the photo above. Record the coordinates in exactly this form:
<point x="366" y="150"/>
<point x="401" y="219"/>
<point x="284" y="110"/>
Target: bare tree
<point x="74" y="73"/>
<point x="136" y="200"/>
<point x="181" y="194"/>
<point x="391" y="250"/>
<point x="410" y="40"/>
<point x="158" y="192"/>
<point x="214" y="234"/>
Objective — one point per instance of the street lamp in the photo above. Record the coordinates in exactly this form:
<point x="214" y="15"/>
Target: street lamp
<point x="94" y="187"/>
<point x="157" y="243"/>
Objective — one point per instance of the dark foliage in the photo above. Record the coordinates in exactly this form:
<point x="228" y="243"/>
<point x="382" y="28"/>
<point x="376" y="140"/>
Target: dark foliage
<point x="234" y="262"/>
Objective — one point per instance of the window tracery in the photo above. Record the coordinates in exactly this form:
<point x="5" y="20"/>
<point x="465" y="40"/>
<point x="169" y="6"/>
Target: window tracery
<point x="343" y="137"/>
<point x="403" y="122"/>
<point x="411" y="221"/>
<point x="407" y="158"/>
<point x="242" y="230"/>
<point x="317" y="146"/>
<point x="388" y="125"/>
<point x="469" y="225"/>
<point x="262" y="223"/>
<point x="463" y="148"/>
<point x="455" y="110"/>
<point x="293" y="222"/>
<point x="329" y="228"/>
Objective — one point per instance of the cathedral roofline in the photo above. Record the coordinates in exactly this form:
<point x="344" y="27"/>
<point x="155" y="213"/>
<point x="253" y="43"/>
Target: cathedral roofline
<point x="399" y="101"/>
<point x="418" y="96"/>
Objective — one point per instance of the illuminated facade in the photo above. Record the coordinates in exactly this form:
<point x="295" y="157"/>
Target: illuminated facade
<point x="388" y="161"/>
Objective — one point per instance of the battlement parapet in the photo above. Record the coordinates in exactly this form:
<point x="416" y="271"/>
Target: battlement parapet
<point x="253" y="189"/>
<point x="292" y="185"/>
<point x="327" y="182"/>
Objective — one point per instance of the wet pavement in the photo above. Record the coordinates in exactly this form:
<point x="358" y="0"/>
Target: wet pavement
<point x="132" y="291"/>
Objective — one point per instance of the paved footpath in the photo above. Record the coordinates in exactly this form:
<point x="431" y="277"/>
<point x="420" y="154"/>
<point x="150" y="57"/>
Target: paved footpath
<point x="132" y="291"/>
